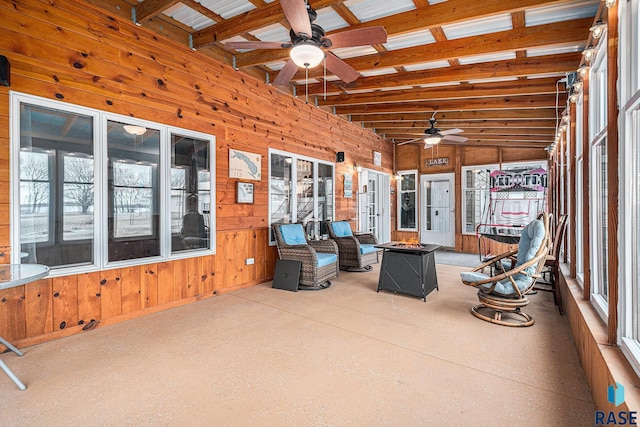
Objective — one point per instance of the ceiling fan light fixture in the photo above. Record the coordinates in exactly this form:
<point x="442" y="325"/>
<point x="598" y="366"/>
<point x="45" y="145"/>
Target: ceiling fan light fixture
<point x="431" y="140"/>
<point x="306" y="55"/>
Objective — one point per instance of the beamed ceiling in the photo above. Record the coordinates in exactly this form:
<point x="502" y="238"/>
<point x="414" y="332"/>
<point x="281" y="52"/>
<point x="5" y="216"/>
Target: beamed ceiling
<point x="492" y="68"/>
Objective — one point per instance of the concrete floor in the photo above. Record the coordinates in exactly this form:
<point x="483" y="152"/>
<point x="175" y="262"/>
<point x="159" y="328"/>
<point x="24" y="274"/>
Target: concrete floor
<point x="344" y="356"/>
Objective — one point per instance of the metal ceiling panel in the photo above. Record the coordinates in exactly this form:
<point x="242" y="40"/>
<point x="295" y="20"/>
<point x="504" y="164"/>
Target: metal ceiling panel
<point x="379" y="72"/>
<point x="228" y="8"/>
<point x="368" y="10"/>
<point x="487" y="58"/>
<point x="410" y="39"/>
<point x="554" y="50"/>
<point x="352" y="52"/>
<point x="189" y="17"/>
<point x="427" y="65"/>
<point x="561" y="12"/>
<point x="272" y="33"/>
<point x="476" y="27"/>
<point x="330" y="20"/>
<point x="494" y="80"/>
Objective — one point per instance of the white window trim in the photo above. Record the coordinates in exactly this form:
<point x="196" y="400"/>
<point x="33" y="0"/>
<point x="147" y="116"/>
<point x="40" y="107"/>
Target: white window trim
<point x="100" y="119"/>
<point x="402" y="173"/>
<point x="294" y="200"/>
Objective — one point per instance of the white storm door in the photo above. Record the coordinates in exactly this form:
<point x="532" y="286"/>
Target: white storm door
<point x="437" y="209"/>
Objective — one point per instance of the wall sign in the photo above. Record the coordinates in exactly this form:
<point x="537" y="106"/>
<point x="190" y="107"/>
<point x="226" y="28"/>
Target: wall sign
<point x="377" y="158"/>
<point x="244" y="192"/>
<point x="439" y="161"/>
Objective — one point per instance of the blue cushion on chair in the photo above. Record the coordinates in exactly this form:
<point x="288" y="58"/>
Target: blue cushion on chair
<point x="293" y="234"/>
<point x="367" y="248"/>
<point x="530" y="240"/>
<point x="326" y="259"/>
<point x="341" y="229"/>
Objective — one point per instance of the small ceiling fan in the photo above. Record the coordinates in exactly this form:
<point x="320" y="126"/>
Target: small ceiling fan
<point x="309" y="44"/>
<point x="433" y="135"/>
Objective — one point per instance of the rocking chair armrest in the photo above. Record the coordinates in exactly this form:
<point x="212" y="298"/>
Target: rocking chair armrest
<point x="325" y="246"/>
<point x="495" y="259"/>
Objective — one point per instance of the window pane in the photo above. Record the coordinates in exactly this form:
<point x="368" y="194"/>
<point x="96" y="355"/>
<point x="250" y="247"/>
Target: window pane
<point x="133" y="202"/>
<point x="56" y="187"/>
<point x="190" y="193"/>
<point x="134" y="154"/>
<point x="35" y="182"/>
<point x="407" y="201"/>
<point x="280" y="189"/>
<point x="78" y="194"/>
<point x="304" y="187"/>
<point x="325" y="194"/>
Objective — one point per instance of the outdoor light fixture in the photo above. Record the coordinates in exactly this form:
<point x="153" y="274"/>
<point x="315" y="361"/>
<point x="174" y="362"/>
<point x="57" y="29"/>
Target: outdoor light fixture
<point x="134" y="130"/>
<point x="582" y="70"/>
<point x="588" y="53"/>
<point x="306" y="55"/>
<point x="577" y="87"/>
<point x="598" y="29"/>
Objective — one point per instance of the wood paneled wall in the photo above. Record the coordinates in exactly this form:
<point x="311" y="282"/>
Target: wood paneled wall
<point x="69" y="51"/>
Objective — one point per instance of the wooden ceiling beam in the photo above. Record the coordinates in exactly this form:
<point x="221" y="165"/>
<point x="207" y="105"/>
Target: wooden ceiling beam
<point x="254" y="19"/>
<point x="478" y="124"/>
<point x="557" y="33"/>
<point x="474" y="132"/>
<point x="478" y="90"/>
<point x="443" y="116"/>
<point x="563" y="63"/>
<point x="150" y="8"/>
<point x="496" y="103"/>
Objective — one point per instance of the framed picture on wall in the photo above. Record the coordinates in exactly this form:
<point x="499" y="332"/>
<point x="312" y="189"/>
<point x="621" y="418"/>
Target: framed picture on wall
<point x="244" y="192"/>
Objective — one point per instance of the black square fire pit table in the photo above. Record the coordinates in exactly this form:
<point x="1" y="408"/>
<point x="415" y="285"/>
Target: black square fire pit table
<point x="408" y="268"/>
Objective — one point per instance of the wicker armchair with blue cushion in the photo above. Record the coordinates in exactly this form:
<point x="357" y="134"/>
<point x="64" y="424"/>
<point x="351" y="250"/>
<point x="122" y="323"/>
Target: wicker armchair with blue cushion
<point x="506" y="293"/>
<point x="357" y="252"/>
<point x="319" y="258"/>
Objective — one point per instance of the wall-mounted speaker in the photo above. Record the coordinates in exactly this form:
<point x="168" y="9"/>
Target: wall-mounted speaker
<point x="4" y="71"/>
<point x="340" y="156"/>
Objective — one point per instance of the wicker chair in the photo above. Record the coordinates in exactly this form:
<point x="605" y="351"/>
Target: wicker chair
<point x="358" y="252"/>
<point x="319" y="258"/>
<point x="506" y="293"/>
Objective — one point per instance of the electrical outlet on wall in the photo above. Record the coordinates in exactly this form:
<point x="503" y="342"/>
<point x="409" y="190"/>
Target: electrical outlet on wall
<point x="249" y="261"/>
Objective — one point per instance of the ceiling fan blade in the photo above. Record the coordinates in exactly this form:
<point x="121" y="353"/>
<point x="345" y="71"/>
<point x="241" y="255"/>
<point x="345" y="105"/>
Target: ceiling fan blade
<point x="341" y="69"/>
<point x="256" y="45"/>
<point x="358" y="37"/>
<point x="454" y="138"/>
<point x="410" y="141"/>
<point x="297" y="15"/>
<point x="451" y="131"/>
<point x="286" y="74"/>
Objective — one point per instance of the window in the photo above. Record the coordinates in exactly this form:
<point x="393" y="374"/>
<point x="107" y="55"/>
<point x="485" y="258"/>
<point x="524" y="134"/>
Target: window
<point x="313" y="188"/>
<point x="407" y="201"/>
<point x="55" y="193"/>
<point x="579" y="192"/>
<point x="190" y="203"/>
<point x="89" y="187"/>
<point x="629" y="232"/>
<point x="475" y="188"/>
<point x="598" y="178"/>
